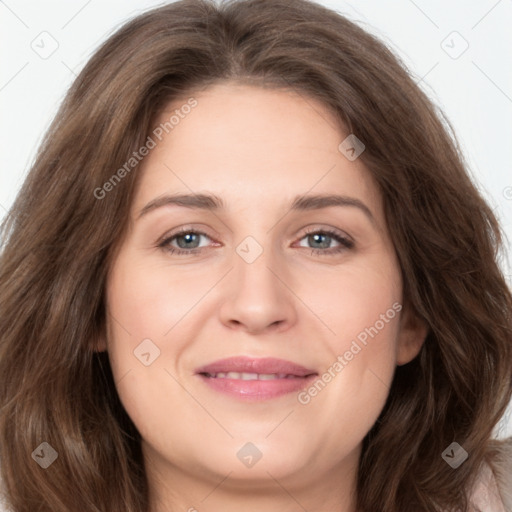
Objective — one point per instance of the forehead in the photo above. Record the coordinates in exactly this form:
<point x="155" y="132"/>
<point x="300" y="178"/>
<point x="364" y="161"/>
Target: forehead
<point x="253" y="146"/>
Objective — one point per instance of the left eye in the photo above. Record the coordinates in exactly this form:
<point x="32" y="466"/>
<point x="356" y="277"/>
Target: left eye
<point x="325" y="237"/>
<point x="188" y="242"/>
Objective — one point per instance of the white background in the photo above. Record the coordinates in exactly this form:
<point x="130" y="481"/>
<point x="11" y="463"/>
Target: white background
<point x="473" y="89"/>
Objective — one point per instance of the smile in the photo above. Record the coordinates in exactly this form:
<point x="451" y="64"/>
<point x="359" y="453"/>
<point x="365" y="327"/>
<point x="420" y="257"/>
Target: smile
<point x="255" y="379"/>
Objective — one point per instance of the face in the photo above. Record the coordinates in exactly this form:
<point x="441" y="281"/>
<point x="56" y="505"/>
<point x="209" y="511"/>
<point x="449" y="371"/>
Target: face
<point x="305" y="295"/>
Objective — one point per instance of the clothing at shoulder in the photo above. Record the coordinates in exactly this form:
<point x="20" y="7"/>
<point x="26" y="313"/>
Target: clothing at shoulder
<point x="493" y="489"/>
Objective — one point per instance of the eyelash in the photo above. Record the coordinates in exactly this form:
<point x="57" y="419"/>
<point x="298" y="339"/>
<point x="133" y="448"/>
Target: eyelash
<point x="345" y="243"/>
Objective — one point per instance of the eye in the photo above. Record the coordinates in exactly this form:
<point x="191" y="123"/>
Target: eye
<point x="322" y="238"/>
<point x="187" y="241"/>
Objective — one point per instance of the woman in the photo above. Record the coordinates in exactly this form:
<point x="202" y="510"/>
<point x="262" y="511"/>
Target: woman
<point x="365" y="373"/>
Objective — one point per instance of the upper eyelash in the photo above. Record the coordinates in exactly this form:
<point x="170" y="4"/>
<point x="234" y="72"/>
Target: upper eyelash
<point x="345" y="242"/>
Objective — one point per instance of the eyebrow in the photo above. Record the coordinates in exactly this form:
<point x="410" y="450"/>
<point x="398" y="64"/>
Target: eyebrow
<point x="213" y="202"/>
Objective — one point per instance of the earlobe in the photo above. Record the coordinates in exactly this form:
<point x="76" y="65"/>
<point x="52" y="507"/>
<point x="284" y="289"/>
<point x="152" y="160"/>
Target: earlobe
<point x="412" y="335"/>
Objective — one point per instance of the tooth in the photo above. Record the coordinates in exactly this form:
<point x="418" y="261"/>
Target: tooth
<point x="249" y="376"/>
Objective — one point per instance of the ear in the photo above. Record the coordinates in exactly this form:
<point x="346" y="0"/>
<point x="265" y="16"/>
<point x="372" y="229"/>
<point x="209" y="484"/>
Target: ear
<point x="413" y="331"/>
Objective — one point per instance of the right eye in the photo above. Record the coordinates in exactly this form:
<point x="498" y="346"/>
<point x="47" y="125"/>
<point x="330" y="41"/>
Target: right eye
<point x="186" y="239"/>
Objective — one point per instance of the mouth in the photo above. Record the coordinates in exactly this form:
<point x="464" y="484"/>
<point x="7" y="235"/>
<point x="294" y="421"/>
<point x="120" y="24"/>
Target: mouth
<point x="247" y="378"/>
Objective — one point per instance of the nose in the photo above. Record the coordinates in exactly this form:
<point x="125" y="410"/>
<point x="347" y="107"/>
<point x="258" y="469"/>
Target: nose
<point x="257" y="297"/>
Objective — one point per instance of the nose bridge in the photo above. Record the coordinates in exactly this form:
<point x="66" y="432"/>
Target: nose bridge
<point x="254" y="241"/>
<point x="255" y="260"/>
<point x="257" y="298"/>
<point x="258" y="248"/>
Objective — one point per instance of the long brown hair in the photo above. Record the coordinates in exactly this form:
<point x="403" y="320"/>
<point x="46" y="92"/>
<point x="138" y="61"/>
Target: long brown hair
<point x="59" y="237"/>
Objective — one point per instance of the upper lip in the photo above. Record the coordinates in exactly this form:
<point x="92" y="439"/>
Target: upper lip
<point x="266" y="365"/>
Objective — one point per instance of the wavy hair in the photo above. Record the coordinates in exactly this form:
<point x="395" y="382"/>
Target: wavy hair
<point x="59" y="237"/>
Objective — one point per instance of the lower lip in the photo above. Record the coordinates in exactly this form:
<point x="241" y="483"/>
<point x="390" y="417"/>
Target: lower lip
<point x="257" y="389"/>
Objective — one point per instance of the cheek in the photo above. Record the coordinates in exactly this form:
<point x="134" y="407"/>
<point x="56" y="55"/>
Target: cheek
<point x="151" y="302"/>
<point x="141" y="311"/>
<point x="146" y="305"/>
<point x="151" y="311"/>
<point x="351" y="392"/>
<point x="362" y="313"/>
<point x="357" y="302"/>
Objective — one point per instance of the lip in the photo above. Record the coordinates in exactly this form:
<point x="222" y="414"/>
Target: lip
<point x="300" y="377"/>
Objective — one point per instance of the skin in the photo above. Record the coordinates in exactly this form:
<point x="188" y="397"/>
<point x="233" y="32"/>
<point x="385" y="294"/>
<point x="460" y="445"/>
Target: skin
<point x="257" y="149"/>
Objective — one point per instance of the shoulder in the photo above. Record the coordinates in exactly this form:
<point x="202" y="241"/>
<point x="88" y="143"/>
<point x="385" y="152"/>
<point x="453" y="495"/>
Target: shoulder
<point x="492" y="491"/>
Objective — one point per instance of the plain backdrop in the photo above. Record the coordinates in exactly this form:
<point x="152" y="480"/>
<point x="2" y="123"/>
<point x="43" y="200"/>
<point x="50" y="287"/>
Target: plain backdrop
<point x="458" y="52"/>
